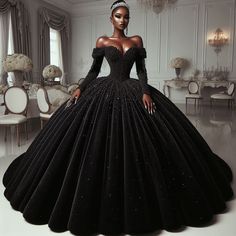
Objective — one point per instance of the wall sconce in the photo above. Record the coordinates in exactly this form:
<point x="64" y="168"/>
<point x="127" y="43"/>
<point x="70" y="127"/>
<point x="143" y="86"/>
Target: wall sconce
<point x="218" y="41"/>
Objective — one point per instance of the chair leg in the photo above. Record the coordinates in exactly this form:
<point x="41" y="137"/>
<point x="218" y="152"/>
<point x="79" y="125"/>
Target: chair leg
<point x="186" y="105"/>
<point x="41" y="123"/>
<point x="5" y="138"/>
<point x="232" y="104"/>
<point x="200" y="105"/>
<point x="26" y="130"/>
<point x="17" y="134"/>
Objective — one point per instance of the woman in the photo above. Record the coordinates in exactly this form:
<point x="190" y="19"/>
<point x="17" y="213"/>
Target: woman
<point x="119" y="157"/>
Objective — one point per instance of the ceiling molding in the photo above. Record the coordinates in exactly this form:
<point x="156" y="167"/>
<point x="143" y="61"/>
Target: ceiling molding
<point x="82" y="7"/>
<point x="99" y="7"/>
<point x="69" y="5"/>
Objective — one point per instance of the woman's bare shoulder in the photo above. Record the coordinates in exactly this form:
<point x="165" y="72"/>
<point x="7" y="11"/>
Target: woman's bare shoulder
<point x="137" y="39"/>
<point x="101" y="41"/>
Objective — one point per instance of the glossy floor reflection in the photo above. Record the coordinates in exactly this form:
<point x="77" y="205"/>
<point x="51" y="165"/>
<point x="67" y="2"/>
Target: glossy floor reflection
<point x="217" y="126"/>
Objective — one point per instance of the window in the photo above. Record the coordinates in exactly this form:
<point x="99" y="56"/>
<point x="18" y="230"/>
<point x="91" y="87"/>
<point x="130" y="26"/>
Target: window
<point x="6" y="43"/>
<point x="55" y="49"/>
<point x="10" y="49"/>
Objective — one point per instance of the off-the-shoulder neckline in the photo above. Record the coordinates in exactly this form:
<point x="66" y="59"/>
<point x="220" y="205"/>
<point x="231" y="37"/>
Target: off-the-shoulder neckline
<point x="123" y="54"/>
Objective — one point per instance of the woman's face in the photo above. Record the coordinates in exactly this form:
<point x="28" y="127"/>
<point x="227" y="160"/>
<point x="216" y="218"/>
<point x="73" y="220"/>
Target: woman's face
<point x="120" y="18"/>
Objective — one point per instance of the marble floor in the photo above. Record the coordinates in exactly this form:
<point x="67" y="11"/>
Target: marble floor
<point x="217" y="126"/>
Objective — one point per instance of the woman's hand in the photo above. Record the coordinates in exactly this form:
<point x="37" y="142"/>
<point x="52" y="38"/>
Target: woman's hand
<point x="74" y="97"/>
<point x="148" y="103"/>
<point x="76" y="94"/>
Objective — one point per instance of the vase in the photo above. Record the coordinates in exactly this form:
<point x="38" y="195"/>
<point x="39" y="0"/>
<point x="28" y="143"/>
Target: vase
<point x="18" y="80"/>
<point x="177" y="72"/>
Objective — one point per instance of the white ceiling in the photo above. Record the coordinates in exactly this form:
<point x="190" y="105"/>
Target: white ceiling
<point x="69" y="5"/>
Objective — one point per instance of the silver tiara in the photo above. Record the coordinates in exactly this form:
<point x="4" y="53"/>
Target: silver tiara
<point x="119" y="4"/>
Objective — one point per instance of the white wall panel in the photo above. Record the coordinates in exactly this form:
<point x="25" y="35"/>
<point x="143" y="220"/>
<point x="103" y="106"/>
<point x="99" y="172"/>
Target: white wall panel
<point x="218" y="14"/>
<point x="82" y="46"/>
<point x="182" y="31"/>
<point x="183" y="34"/>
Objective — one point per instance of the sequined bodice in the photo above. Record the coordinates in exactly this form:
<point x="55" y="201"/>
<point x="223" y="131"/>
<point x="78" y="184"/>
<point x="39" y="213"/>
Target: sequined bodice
<point x="121" y="63"/>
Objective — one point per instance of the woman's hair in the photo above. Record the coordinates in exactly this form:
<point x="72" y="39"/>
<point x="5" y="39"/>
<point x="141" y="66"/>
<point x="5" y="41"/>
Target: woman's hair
<point x="119" y="3"/>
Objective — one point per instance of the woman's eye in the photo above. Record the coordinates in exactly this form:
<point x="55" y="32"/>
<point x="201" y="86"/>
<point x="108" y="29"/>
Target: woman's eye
<point x="117" y="16"/>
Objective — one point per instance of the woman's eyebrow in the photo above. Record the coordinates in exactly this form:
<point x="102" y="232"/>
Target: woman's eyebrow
<point x="121" y="14"/>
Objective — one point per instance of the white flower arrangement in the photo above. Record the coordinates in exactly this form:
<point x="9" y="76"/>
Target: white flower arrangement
<point x="178" y="62"/>
<point x="51" y="72"/>
<point x="17" y="62"/>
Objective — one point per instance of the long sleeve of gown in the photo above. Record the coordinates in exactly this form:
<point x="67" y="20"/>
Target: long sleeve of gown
<point x="98" y="55"/>
<point x="141" y="71"/>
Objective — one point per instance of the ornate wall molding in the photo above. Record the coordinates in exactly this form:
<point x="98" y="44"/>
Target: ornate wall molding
<point x="231" y="8"/>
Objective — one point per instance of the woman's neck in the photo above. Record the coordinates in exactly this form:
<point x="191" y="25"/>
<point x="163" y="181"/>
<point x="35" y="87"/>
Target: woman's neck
<point x="118" y="35"/>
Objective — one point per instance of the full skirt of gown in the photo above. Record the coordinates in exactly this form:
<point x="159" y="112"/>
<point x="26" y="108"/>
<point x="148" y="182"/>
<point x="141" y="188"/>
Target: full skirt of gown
<point x="105" y="165"/>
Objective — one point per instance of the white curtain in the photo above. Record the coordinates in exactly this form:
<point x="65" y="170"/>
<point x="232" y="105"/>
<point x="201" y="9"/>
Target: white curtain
<point x="4" y="36"/>
<point x="60" y="59"/>
<point x="56" y="52"/>
<point x="10" y="50"/>
<point x="61" y="23"/>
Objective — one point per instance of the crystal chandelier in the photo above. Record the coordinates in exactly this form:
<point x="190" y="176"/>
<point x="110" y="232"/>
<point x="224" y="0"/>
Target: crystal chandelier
<point x="218" y="41"/>
<point x="156" y="5"/>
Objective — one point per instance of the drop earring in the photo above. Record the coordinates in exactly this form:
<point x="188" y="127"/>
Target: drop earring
<point x="126" y="30"/>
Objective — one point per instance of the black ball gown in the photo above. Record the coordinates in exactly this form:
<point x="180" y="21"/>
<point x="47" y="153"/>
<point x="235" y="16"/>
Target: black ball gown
<point x="105" y="165"/>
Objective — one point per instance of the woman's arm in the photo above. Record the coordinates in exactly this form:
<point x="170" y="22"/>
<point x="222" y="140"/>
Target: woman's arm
<point x="142" y="75"/>
<point x="94" y="70"/>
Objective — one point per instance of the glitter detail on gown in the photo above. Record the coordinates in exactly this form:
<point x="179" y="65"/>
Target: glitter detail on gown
<point x="105" y="165"/>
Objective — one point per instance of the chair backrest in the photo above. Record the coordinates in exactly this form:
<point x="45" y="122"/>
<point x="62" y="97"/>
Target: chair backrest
<point x="16" y="100"/>
<point x="72" y="88"/>
<point x="231" y="89"/>
<point x="43" y="101"/>
<point x="55" y="95"/>
<point x="193" y="87"/>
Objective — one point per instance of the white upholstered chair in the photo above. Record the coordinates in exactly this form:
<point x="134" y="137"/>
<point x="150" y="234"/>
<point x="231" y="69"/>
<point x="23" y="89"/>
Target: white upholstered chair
<point x="227" y="95"/>
<point x="45" y="107"/>
<point x="49" y="99"/>
<point x="193" y="93"/>
<point x="16" y="102"/>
